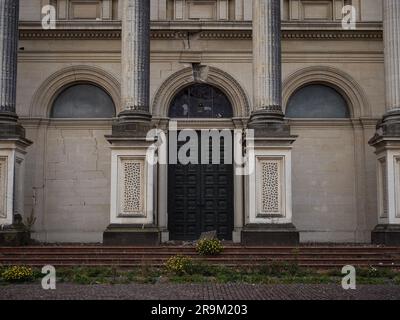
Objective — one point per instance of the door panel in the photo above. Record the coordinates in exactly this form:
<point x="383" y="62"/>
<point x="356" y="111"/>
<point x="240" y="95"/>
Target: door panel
<point x="183" y="199"/>
<point x="200" y="198"/>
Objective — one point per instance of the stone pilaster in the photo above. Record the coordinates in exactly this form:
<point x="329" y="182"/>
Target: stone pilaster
<point x="387" y="138"/>
<point x="12" y="134"/>
<point x="133" y="174"/>
<point x="269" y="186"/>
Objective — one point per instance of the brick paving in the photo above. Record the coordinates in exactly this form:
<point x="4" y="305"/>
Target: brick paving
<point x="199" y="292"/>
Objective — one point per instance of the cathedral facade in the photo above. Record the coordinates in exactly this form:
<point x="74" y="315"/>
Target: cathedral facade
<point x="317" y="82"/>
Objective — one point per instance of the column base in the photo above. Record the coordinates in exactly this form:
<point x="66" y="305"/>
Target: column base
<point x="270" y="235"/>
<point x="386" y="234"/>
<point x="132" y="124"/>
<point x="269" y="124"/>
<point x="131" y="235"/>
<point x="388" y="127"/>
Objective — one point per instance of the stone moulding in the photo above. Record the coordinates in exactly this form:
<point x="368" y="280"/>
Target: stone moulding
<point x="217" y="77"/>
<point x="48" y="90"/>
<point x="29" y="34"/>
<point x="351" y="91"/>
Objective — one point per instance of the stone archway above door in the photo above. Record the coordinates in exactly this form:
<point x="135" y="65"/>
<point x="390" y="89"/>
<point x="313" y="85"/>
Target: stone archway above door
<point x="201" y="194"/>
<point x="213" y="76"/>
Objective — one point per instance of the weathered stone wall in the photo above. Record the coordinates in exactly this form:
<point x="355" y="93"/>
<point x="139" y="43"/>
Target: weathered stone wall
<point x="68" y="167"/>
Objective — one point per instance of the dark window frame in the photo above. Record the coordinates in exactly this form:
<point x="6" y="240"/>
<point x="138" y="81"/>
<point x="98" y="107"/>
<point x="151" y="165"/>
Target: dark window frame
<point x="61" y="114"/>
<point x="342" y="107"/>
<point x="194" y="102"/>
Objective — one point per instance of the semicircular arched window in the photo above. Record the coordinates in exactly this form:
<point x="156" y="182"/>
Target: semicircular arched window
<point x="200" y="101"/>
<point x="83" y="101"/>
<point x="317" y="101"/>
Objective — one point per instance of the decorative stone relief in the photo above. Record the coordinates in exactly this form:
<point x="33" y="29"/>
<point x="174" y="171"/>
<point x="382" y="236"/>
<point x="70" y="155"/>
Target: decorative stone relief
<point x="18" y="204"/>
<point x="383" y="181"/>
<point x="305" y="10"/>
<point x="3" y="187"/>
<point x="86" y="10"/>
<point x="397" y="185"/>
<point x="201" y="10"/>
<point x="270" y="199"/>
<point x="132" y="187"/>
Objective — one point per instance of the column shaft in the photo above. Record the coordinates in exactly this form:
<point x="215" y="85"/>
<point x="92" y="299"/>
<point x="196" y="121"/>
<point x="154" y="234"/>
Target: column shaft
<point x="9" y="11"/>
<point x="391" y="27"/>
<point x="267" y="56"/>
<point x="391" y="10"/>
<point x="136" y="55"/>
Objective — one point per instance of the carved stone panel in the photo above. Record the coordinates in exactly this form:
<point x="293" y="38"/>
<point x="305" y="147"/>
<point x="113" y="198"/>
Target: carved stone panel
<point x="397" y="185"/>
<point x="201" y="9"/>
<point x="3" y="187"/>
<point x="311" y="10"/>
<point x="383" y="188"/>
<point x="270" y="187"/>
<point x="86" y="9"/>
<point x="131" y="187"/>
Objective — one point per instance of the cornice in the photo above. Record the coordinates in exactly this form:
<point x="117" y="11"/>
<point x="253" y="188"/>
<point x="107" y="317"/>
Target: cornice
<point x="36" y="122"/>
<point x="206" y="35"/>
<point x="202" y="30"/>
<point x="332" y="35"/>
<point x="63" y="34"/>
<point x="330" y="123"/>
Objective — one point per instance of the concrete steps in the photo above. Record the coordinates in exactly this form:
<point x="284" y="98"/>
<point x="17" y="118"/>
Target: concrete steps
<point x="304" y="256"/>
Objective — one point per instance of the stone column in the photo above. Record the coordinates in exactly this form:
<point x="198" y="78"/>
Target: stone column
<point x="268" y="187"/>
<point x="387" y="137"/>
<point x="135" y="59"/>
<point x="267" y="66"/>
<point x="391" y="29"/>
<point x="133" y="174"/>
<point x="8" y="58"/>
<point x="12" y="134"/>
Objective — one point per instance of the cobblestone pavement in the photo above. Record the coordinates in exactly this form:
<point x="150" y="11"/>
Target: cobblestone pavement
<point x="199" y="292"/>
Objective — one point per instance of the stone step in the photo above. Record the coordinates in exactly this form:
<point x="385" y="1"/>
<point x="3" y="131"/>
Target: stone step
<point x="228" y="249"/>
<point x="232" y="255"/>
<point x="316" y="265"/>
<point x="220" y="259"/>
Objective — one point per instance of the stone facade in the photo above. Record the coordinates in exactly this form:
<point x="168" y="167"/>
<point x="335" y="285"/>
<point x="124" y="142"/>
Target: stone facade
<point x="68" y="171"/>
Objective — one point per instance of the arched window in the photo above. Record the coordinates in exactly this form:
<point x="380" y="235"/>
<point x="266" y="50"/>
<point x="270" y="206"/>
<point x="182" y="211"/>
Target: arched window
<point x="83" y="101"/>
<point x="317" y="101"/>
<point x="200" y="101"/>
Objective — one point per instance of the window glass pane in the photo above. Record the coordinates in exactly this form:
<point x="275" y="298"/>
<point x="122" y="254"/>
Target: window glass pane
<point x="200" y="101"/>
<point x="83" y="101"/>
<point x="317" y="101"/>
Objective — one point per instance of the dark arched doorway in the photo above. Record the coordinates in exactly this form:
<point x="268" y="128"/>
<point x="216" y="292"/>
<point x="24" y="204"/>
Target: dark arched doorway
<point x="200" y="195"/>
